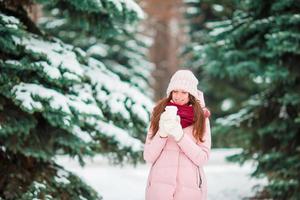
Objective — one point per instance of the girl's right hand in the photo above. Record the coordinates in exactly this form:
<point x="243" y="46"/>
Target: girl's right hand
<point x="161" y="131"/>
<point x="166" y="122"/>
<point x="174" y="129"/>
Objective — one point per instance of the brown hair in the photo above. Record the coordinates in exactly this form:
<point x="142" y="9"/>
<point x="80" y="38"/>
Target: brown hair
<point x="198" y="129"/>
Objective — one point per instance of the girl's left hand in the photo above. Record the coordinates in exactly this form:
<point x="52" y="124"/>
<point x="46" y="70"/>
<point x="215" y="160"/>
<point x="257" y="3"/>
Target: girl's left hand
<point x="206" y="112"/>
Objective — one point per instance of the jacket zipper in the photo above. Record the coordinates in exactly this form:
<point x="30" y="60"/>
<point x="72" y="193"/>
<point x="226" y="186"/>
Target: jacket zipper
<point x="200" y="179"/>
<point x="150" y="174"/>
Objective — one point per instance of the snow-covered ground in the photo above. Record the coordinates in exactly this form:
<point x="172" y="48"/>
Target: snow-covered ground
<point x="225" y="180"/>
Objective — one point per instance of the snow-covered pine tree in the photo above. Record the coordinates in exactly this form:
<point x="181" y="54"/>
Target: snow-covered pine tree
<point x="123" y="54"/>
<point x="224" y="95"/>
<point x="259" y="46"/>
<point x="55" y="99"/>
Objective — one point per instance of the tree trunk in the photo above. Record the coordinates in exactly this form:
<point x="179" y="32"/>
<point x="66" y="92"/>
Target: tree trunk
<point x="164" y="19"/>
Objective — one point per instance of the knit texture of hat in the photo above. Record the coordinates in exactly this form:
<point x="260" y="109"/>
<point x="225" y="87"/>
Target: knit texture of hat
<point x="183" y="80"/>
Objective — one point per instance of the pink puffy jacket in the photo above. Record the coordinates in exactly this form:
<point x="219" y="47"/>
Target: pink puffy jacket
<point x="177" y="167"/>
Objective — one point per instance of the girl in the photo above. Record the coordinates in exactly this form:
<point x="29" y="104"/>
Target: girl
<point x="177" y="146"/>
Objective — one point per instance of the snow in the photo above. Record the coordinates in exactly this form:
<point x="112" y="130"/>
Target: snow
<point x="283" y="112"/>
<point x="38" y="187"/>
<point x="221" y="42"/>
<point x="218" y="7"/>
<point x="50" y="71"/>
<point x="118" y="91"/>
<point x="97" y="4"/>
<point x="27" y="94"/>
<point x="141" y="83"/>
<point x="137" y="74"/>
<point x="117" y="4"/>
<point x="227" y="104"/>
<point x="90" y="88"/>
<point x="83" y="135"/>
<point x="148" y="41"/>
<point x="13" y="62"/>
<point x="54" y="23"/>
<point x="62" y="177"/>
<point x="259" y="22"/>
<point x="138" y="110"/>
<point x="80" y="52"/>
<point x="234" y="119"/>
<point x="59" y="55"/>
<point x="118" y="68"/>
<point x="225" y="180"/>
<point x="98" y="49"/>
<point x="132" y="44"/>
<point x="219" y="30"/>
<point x="133" y="6"/>
<point x="84" y="91"/>
<point x="258" y="79"/>
<point x="66" y="120"/>
<point x="218" y="24"/>
<point x="129" y="5"/>
<point x="122" y="136"/>
<point x="16" y="40"/>
<point x="294" y="17"/>
<point x="10" y="21"/>
<point x="48" y="197"/>
<point x="116" y="104"/>
<point x="55" y="11"/>
<point x="24" y="95"/>
<point x="134" y="55"/>
<point x="228" y="180"/>
<point x="192" y="10"/>
<point x="198" y="47"/>
<point x="70" y="76"/>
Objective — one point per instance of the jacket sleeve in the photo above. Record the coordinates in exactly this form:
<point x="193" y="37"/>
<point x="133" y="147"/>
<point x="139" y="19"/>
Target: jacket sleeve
<point x="153" y="147"/>
<point x="198" y="153"/>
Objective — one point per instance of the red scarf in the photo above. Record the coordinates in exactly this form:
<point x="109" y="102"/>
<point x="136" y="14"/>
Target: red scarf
<point x="186" y="114"/>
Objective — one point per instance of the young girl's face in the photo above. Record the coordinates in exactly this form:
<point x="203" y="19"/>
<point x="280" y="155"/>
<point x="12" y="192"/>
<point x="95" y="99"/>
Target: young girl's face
<point x="180" y="97"/>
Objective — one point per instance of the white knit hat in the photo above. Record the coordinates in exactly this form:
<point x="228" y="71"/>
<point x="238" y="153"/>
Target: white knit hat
<point x="184" y="80"/>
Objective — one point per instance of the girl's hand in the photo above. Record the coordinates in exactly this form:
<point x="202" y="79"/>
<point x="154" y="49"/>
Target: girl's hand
<point x="206" y="112"/>
<point x="163" y="119"/>
<point x="162" y="133"/>
<point x="174" y="129"/>
<point x="166" y="120"/>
